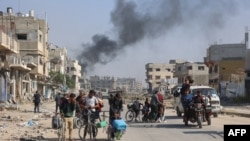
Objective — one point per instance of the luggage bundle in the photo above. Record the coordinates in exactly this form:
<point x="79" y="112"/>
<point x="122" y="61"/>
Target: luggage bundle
<point x="120" y="124"/>
<point x="102" y="124"/>
<point x="56" y="122"/>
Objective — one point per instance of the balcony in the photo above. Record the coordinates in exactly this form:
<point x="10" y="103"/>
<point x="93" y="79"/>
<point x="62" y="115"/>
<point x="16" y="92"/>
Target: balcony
<point x="8" y="44"/>
<point x="16" y="63"/>
<point x="29" y="61"/>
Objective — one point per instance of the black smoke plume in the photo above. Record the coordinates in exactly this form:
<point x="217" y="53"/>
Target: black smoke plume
<point x="135" y="20"/>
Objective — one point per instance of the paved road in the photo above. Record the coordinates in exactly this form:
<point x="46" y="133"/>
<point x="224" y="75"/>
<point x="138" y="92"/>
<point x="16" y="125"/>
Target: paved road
<point x="173" y="130"/>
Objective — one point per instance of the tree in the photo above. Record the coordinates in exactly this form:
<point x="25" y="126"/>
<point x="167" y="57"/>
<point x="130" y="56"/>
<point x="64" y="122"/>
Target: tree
<point x="58" y="78"/>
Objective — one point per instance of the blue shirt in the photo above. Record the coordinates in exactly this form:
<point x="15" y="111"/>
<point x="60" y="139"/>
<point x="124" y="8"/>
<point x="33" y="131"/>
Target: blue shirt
<point x="186" y="99"/>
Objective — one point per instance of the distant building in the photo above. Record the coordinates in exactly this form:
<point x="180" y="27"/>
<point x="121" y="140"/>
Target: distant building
<point x="102" y="82"/>
<point x="126" y="84"/>
<point x="74" y="72"/>
<point x="58" y="59"/>
<point x="158" y="73"/>
<point x="197" y="70"/>
<point x="225" y="60"/>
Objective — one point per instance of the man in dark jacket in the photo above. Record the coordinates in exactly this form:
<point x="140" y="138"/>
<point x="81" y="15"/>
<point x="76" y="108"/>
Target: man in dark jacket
<point x="58" y="101"/>
<point x="116" y="105"/>
<point x="37" y="100"/>
<point x="68" y="108"/>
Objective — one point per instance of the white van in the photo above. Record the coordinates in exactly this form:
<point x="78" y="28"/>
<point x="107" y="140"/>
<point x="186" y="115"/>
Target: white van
<point x="206" y="91"/>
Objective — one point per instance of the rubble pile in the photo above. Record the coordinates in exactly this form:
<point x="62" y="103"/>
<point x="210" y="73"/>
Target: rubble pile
<point x="22" y="125"/>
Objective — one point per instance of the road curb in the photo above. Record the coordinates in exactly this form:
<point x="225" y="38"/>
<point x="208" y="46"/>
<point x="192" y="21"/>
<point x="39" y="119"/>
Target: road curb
<point x="233" y="112"/>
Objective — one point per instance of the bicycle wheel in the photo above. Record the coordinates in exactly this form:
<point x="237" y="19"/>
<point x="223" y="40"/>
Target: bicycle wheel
<point x="93" y="128"/>
<point x="78" y="123"/>
<point x="129" y="116"/>
<point x="109" y="132"/>
<point x="89" y="130"/>
<point x="61" y="133"/>
<point x="81" y="132"/>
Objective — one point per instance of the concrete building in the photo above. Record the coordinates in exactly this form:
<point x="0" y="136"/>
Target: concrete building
<point x="157" y="73"/>
<point x="84" y="83"/>
<point x="247" y="70"/>
<point x="30" y="66"/>
<point x="58" y="59"/>
<point x="15" y="82"/>
<point x="197" y="70"/>
<point x="225" y="60"/>
<point x="32" y="34"/>
<point x="8" y="46"/>
<point x="74" y="72"/>
<point x="102" y="82"/>
<point x="126" y="84"/>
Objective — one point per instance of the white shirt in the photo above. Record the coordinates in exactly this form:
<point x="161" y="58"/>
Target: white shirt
<point x="91" y="102"/>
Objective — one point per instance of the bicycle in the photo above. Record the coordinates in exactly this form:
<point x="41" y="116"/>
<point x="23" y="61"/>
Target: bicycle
<point x="130" y="114"/>
<point x="61" y="129"/>
<point x="79" y="120"/>
<point x="88" y="127"/>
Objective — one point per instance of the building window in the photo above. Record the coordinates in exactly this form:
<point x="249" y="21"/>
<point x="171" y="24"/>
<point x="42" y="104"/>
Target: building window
<point x="216" y="68"/>
<point x="158" y="69"/>
<point x="168" y="69"/>
<point x="22" y="36"/>
<point x="40" y="38"/>
<point x="201" y="68"/>
<point x="73" y="69"/>
<point x="189" y="67"/>
<point x="157" y="77"/>
<point x="179" y="68"/>
<point x="150" y="77"/>
<point x="210" y="69"/>
<point x="168" y="77"/>
<point x="150" y="69"/>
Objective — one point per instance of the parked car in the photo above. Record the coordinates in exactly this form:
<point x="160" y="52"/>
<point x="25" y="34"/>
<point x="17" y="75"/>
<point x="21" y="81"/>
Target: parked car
<point x="207" y="92"/>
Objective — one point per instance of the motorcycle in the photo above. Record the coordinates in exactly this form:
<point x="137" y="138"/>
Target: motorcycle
<point x="208" y="113"/>
<point x="196" y="112"/>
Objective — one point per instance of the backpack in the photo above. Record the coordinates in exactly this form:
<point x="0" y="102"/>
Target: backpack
<point x="160" y="97"/>
<point x="136" y="105"/>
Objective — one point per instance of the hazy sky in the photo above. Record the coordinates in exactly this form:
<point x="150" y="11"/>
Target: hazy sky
<point x="118" y="38"/>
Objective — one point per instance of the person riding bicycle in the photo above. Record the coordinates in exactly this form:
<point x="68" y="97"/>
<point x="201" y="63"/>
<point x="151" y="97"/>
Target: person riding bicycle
<point x="136" y="107"/>
<point x="92" y="103"/>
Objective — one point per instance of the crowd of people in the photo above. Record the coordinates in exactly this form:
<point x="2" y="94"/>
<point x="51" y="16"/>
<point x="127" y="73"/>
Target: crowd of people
<point x="68" y="105"/>
<point x="153" y="109"/>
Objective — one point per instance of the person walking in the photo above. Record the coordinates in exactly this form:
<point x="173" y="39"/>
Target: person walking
<point x="80" y="102"/>
<point x="116" y="104"/>
<point x="154" y="102"/>
<point x="37" y="100"/>
<point x="67" y="108"/>
<point x="100" y="106"/>
<point x="58" y="101"/>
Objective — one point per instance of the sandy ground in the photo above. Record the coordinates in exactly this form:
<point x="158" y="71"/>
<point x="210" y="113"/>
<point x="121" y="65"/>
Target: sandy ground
<point x="24" y="123"/>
